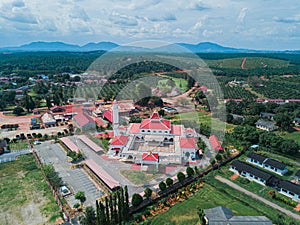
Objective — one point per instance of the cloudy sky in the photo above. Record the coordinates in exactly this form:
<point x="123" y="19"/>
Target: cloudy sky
<point x="256" y="24"/>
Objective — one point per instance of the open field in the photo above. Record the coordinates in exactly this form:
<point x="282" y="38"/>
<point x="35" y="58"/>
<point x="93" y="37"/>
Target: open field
<point x="294" y="136"/>
<point x="25" y="197"/>
<point x="139" y="177"/>
<point x="20" y="145"/>
<point x="214" y="193"/>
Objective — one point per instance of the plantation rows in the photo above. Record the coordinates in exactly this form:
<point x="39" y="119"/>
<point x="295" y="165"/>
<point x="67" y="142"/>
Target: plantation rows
<point x="235" y="92"/>
<point x="280" y="87"/>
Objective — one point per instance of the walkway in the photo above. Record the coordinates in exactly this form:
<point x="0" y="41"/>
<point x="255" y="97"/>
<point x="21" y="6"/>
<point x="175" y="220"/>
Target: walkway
<point x="273" y="205"/>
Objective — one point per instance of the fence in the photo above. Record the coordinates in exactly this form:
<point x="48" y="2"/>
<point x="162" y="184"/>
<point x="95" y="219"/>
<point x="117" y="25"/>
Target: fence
<point x="176" y="186"/>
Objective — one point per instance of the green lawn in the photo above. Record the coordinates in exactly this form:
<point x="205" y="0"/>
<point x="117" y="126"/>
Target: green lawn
<point x="294" y="136"/>
<point x="214" y="193"/>
<point x="20" y="145"/>
<point x="139" y="177"/>
<point x="25" y="197"/>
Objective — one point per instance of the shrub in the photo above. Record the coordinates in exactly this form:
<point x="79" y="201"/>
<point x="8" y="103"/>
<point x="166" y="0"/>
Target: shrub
<point x="180" y="177"/>
<point x="169" y="181"/>
<point x="162" y="186"/>
<point x="189" y="171"/>
<point x="148" y="193"/>
<point x="137" y="199"/>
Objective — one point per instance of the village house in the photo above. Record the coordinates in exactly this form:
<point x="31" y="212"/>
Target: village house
<point x="48" y="119"/>
<point x="267" y="163"/>
<point x="265" y="125"/>
<point x="287" y="188"/>
<point x="265" y="115"/>
<point x="223" y="216"/>
<point x="84" y="121"/>
<point x="3" y="146"/>
<point x="250" y="172"/>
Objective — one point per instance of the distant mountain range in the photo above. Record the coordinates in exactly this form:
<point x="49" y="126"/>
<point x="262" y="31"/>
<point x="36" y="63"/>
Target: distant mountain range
<point x="204" y="47"/>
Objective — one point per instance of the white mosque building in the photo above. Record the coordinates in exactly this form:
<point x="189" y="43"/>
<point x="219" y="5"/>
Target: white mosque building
<point x="153" y="141"/>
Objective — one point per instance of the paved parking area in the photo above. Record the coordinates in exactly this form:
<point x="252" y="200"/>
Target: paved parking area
<point x="76" y="179"/>
<point x="11" y="156"/>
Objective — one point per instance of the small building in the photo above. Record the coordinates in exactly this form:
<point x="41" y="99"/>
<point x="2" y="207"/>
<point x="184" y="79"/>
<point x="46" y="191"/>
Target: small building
<point x="269" y="116"/>
<point x="297" y="176"/>
<point x="250" y="172"/>
<point x="215" y="143"/>
<point x="296" y="121"/>
<point x="223" y="216"/>
<point x="56" y="109"/>
<point x="84" y="121"/>
<point x="265" y="125"/>
<point x="48" y="119"/>
<point x="267" y="163"/>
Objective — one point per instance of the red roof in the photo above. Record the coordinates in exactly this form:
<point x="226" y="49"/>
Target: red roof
<point x="150" y="157"/>
<point x="71" y="145"/>
<point x="135" y="128"/>
<point x="83" y="119"/>
<point x="215" y="143"/>
<point x="203" y="89"/>
<point x="106" y="135"/>
<point x="176" y="129"/>
<point x="90" y="143"/>
<point x="188" y="143"/>
<point x="102" y="174"/>
<point x="155" y="116"/>
<point x="108" y="115"/>
<point x="119" y="140"/>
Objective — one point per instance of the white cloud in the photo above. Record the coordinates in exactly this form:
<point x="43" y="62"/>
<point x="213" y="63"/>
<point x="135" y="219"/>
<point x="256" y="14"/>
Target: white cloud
<point x="230" y="22"/>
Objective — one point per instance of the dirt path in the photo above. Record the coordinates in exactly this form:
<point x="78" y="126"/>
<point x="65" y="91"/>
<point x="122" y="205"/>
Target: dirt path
<point x="273" y="205"/>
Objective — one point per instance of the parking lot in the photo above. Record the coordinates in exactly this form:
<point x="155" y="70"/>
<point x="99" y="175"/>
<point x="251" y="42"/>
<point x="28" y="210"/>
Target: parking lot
<point x="75" y="179"/>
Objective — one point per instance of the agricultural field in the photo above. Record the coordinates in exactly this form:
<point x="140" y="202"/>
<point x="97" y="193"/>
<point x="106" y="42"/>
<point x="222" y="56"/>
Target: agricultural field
<point x="213" y="194"/>
<point x="251" y="62"/>
<point x="279" y="87"/>
<point x="25" y="197"/>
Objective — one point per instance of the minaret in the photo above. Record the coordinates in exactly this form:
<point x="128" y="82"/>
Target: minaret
<point x="115" y="118"/>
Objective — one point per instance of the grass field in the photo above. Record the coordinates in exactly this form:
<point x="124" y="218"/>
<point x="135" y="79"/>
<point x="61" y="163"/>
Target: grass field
<point x="214" y="193"/>
<point x="294" y="136"/>
<point x="204" y="118"/>
<point x="25" y="197"/>
<point x="20" y="145"/>
<point x="139" y="177"/>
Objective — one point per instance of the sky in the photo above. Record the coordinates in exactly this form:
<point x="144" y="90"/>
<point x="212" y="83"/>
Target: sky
<point x="254" y="24"/>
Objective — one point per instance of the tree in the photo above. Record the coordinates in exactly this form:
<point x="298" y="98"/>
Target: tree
<point x="28" y="103"/>
<point x="169" y="181"/>
<point x="148" y="193"/>
<point x="180" y="177"/>
<point x="89" y="217"/>
<point x="162" y="186"/>
<point x="80" y="196"/>
<point x="284" y="121"/>
<point x="126" y="204"/>
<point x="189" y="171"/>
<point x="53" y="177"/>
<point x="18" y="111"/>
<point x="201" y="216"/>
<point x="137" y="199"/>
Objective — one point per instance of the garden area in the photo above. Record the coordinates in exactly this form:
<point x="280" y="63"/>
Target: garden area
<point x="139" y="177"/>
<point x="25" y="197"/>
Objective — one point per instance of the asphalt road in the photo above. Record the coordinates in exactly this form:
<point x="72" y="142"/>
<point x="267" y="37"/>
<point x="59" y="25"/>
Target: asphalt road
<point x="273" y="205"/>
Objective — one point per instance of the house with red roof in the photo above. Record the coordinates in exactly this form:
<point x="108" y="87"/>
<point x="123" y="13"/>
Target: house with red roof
<point x="215" y="143"/>
<point x="84" y="121"/>
<point x="117" y="144"/>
